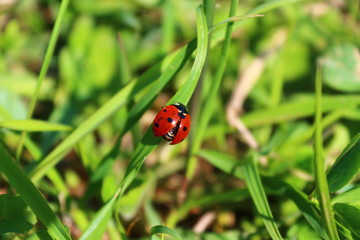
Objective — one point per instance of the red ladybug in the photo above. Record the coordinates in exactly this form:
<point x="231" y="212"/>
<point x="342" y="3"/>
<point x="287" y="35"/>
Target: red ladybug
<point x="172" y="123"/>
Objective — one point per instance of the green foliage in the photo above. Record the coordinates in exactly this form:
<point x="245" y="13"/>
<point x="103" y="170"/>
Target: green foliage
<point x="80" y="83"/>
<point x="16" y="216"/>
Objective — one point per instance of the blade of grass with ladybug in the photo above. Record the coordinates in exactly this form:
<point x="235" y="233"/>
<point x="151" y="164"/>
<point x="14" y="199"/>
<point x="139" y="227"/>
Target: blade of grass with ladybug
<point x="149" y="142"/>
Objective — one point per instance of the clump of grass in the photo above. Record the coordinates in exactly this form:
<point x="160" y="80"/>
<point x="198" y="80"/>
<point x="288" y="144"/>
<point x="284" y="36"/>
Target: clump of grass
<point x="77" y="153"/>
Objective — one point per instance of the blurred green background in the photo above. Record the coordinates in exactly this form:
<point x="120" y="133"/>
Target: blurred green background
<point x="104" y="45"/>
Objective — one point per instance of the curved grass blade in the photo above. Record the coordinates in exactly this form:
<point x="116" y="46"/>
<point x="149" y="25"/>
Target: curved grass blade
<point x="232" y="166"/>
<point x="301" y="107"/>
<point x="99" y="223"/>
<point x="112" y="105"/>
<point x="44" y="68"/>
<point x="346" y="165"/>
<point x="176" y="64"/>
<point x="322" y="187"/>
<point x="270" y="5"/>
<point x="174" y="67"/>
<point x="32" y="125"/>
<point x="159" y="229"/>
<point x="257" y="192"/>
<point x="149" y="141"/>
<point x="207" y="109"/>
<point x="31" y="195"/>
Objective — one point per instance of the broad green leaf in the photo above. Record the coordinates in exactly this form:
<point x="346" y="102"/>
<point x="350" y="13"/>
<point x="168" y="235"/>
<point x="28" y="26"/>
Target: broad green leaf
<point x="351" y="196"/>
<point x="15" y="215"/>
<point x="33" y="125"/>
<point x="349" y="214"/>
<point x="346" y="166"/>
<point x="159" y="229"/>
<point x="31" y="195"/>
<point x="40" y="235"/>
<point x="341" y="67"/>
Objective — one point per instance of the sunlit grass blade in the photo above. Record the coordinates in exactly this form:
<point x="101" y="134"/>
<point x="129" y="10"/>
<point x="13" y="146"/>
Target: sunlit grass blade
<point x="174" y="66"/>
<point x="322" y="187"/>
<point x="112" y="105"/>
<point x="32" y="125"/>
<point x="234" y="19"/>
<point x="346" y="166"/>
<point x="149" y="141"/>
<point x="257" y="192"/>
<point x="31" y="195"/>
<point x="208" y="108"/>
<point x="351" y="196"/>
<point x="159" y="229"/>
<point x="270" y="5"/>
<point x="234" y="167"/>
<point x="44" y="68"/>
<point x="99" y="223"/>
<point x="301" y="107"/>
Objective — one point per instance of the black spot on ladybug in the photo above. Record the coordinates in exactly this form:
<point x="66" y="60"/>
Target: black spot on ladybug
<point x="170" y="120"/>
<point x="164" y="110"/>
<point x="156" y="124"/>
<point x="181" y="115"/>
<point x="184" y="128"/>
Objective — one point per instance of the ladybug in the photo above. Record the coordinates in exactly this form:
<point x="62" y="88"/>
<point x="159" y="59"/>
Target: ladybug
<point x="172" y="123"/>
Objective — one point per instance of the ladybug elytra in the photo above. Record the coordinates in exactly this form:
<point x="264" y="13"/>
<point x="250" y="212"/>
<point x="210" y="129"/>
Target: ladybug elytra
<point x="172" y="123"/>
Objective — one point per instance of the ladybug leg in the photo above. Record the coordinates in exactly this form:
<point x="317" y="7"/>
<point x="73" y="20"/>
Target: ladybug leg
<point x="170" y="135"/>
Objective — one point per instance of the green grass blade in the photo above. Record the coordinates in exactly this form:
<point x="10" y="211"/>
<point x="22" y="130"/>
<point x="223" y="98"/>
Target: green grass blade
<point x="301" y="107"/>
<point x="32" y="125"/>
<point x="149" y="142"/>
<point x="270" y="5"/>
<point x="319" y="165"/>
<point x="346" y="166"/>
<point x="112" y="105"/>
<point x="174" y="67"/>
<point x="31" y="195"/>
<point x="257" y="192"/>
<point x="97" y="226"/>
<point x="207" y="109"/>
<point x="233" y="166"/>
<point x="44" y="68"/>
<point x="159" y="229"/>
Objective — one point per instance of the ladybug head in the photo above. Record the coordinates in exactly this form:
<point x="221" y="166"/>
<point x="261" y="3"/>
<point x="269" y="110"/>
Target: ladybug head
<point x="182" y="108"/>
